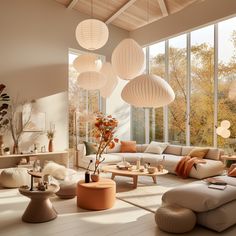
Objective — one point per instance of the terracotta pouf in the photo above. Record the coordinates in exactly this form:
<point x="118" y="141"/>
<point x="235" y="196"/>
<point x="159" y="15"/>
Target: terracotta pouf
<point x="96" y="195"/>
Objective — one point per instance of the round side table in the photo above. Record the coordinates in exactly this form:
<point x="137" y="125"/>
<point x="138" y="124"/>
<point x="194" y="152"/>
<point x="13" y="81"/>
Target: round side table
<point x="40" y="208"/>
<point x="96" y="195"/>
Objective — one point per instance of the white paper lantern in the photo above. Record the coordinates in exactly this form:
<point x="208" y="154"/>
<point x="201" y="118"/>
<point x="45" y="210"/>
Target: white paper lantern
<point x="225" y="124"/>
<point x="112" y="80"/>
<point x="91" y="80"/>
<point x="225" y="133"/>
<point x="92" y="34"/>
<point x="87" y="62"/>
<point x="148" y="91"/>
<point x="219" y="130"/>
<point x="128" y="59"/>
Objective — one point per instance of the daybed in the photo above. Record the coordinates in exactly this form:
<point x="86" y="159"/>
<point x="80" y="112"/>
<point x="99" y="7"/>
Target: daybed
<point x="171" y="153"/>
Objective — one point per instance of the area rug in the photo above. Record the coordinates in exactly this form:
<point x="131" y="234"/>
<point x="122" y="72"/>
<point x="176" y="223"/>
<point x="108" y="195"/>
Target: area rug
<point x="148" y="194"/>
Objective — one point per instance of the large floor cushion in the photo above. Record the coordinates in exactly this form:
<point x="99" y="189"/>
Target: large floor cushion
<point x="175" y="219"/>
<point x="14" y="177"/>
<point x="220" y="218"/>
<point x="198" y="197"/>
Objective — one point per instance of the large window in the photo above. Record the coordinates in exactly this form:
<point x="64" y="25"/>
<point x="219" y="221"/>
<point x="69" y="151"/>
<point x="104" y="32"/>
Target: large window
<point x="200" y="66"/>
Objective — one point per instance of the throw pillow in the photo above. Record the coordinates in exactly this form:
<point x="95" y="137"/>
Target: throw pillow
<point x="55" y="170"/>
<point x="198" y="152"/>
<point x="156" y="147"/>
<point x="128" y="146"/>
<point x="91" y="148"/>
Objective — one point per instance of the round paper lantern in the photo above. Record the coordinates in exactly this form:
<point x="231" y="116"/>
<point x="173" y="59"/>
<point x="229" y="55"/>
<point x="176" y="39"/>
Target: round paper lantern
<point x="112" y="80"/>
<point x="148" y="91"/>
<point x="87" y="62"/>
<point x="225" y="133"/>
<point x="225" y="124"/>
<point x="219" y="130"/>
<point x="91" y="80"/>
<point x="128" y="59"/>
<point x="92" y="34"/>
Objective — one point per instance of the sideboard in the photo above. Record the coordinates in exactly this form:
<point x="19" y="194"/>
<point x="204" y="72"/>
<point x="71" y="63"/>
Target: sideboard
<point x="62" y="158"/>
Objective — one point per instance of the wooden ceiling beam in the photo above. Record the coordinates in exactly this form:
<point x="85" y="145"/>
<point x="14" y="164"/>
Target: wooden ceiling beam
<point x="72" y="4"/>
<point x="163" y="7"/>
<point x="120" y="11"/>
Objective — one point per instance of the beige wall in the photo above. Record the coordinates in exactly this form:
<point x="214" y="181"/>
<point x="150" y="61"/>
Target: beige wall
<point x="196" y="15"/>
<point x="35" y="36"/>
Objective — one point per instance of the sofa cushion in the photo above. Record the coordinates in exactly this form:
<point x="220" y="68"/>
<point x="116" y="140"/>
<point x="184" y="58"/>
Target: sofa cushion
<point x="202" y="198"/>
<point x="173" y="150"/>
<point x="198" y="152"/>
<point x="109" y="158"/>
<point x="91" y="148"/>
<point x="115" y="149"/>
<point x="141" y="147"/>
<point x="213" y="153"/>
<point x="220" y="218"/>
<point x="128" y="146"/>
<point x="156" y="147"/>
<point x="186" y="150"/>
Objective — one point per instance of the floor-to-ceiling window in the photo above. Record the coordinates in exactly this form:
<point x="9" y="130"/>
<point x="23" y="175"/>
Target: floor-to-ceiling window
<point x="177" y="80"/>
<point x="227" y="77"/>
<point x="200" y="66"/>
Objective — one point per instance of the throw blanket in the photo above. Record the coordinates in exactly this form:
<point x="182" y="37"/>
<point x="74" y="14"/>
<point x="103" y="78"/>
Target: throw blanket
<point x="185" y="165"/>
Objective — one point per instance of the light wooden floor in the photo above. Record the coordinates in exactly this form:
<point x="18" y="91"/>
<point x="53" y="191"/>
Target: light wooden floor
<point x="123" y="219"/>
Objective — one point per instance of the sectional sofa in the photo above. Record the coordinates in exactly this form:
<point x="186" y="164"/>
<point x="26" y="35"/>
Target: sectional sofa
<point x="172" y="155"/>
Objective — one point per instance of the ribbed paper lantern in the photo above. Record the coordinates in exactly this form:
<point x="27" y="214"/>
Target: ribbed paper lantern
<point x="92" y="34"/>
<point x="225" y="124"/>
<point x="128" y="59"/>
<point x="112" y="80"/>
<point x="91" y="80"/>
<point x="87" y="62"/>
<point x="148" y="91"/>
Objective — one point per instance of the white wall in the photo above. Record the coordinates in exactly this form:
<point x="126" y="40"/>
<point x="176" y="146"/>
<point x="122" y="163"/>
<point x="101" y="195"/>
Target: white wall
<point x="198" y="14"/>
<point x="120" y="110"/>
<point x="34" y="41"/>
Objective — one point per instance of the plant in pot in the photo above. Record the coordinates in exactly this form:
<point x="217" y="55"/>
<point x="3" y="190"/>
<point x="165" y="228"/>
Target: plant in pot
<point x="51" y="135"/>
<point x="4" y="121"/>
<point x="103" y="131"/>
<point x="7" y="150"/>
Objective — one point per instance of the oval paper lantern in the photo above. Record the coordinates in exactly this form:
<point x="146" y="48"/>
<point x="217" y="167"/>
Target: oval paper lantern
<point x="225" y="133"/>
<point x="87" y="62"/>
<point x="128" y="59"/>
<point x="225" y="124"/>
<point x="91" y="80"/>
<point x="92" y="34"/>
<point x="112" y="80"/>
<point x="148" y="91"/>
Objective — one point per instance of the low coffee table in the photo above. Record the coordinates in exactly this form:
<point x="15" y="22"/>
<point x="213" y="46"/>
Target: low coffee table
<point x="132" y="173"/>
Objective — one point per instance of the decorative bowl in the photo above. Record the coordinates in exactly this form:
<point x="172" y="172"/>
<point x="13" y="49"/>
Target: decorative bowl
<point x="151" y="169"/>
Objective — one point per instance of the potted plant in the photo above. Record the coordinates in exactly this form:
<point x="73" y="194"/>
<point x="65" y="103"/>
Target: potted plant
<point x="103" y="132"/>
<point x="51" y="135"/>
<point x="6" y="151"/>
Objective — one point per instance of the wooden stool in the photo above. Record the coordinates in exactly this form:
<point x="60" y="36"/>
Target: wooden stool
<point x="96" y="195"/>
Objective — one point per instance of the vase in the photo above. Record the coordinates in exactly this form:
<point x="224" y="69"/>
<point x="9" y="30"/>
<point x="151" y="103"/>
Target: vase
<point x="1" y="145"/>
<point x="95" y="177"/>
<point x="50" y="145"/>
<point x="16" y="148"/>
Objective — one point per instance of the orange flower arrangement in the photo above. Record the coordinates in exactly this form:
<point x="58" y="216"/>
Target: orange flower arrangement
<point x="103" y="132"/>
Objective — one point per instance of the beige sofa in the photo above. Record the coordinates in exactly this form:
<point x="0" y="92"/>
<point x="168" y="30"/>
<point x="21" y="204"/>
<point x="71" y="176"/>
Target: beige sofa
<point x="172" y="154"/>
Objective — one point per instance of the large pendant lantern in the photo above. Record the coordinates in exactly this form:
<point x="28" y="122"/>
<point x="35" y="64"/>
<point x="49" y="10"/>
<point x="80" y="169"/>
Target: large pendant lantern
<point x="91" y="80"/>
<point x="148" y="91"/>
<point x="128" y="59"/>
<point x="92" y="34"/>
<point x="112" y="80"/>
<point x="87" y="62"/>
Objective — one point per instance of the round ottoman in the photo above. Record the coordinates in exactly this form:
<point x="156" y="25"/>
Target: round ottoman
<point x="14" y="177"/>
<point x="175" y="219"/>
<point x="67" y="190"/>
<point x="96" y="195"/>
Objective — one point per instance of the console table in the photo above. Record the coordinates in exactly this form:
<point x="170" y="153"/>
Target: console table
<point x="7" y="161"/>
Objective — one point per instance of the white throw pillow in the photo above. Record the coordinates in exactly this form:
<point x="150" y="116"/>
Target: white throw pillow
<point x="156" y="147"/>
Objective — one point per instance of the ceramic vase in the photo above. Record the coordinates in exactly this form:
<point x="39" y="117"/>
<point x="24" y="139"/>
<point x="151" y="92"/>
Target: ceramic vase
<point x="95" y="177"/>
<point x="1" y="145"/>
<point x="50" y="145"/>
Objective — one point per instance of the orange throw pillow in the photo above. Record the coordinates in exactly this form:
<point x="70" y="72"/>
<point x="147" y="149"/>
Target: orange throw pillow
<point x="128" y="146"/>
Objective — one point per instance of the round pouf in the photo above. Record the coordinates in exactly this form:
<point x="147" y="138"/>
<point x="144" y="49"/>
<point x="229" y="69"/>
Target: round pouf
<point x="96" y="195"/>
<point x="175" y="219"/>
<point x="67" y="190"/>
<point x="14" y="177"/>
